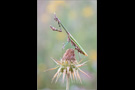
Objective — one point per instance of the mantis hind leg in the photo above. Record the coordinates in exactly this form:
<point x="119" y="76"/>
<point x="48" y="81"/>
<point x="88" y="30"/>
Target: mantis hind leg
<point x="79" y="56"/>
<point x="65" y="44"/>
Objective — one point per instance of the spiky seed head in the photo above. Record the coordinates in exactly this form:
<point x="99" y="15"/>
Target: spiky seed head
<point x="68" y="66"/>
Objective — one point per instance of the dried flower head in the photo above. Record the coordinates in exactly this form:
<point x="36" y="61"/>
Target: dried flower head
<point x="68" y="66"/>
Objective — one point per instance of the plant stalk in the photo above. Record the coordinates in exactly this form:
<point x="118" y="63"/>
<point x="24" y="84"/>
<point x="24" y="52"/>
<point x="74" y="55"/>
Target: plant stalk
<point x="67" y="82"/>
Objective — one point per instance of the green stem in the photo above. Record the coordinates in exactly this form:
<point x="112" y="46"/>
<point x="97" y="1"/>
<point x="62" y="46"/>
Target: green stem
<point x="67" y="82"/>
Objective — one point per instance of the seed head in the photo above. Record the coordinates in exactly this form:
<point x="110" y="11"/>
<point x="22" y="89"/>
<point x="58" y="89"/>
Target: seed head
<point x="68" y="66"/>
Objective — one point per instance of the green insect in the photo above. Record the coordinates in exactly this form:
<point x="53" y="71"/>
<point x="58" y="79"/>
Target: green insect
<point x="70" y="37"/>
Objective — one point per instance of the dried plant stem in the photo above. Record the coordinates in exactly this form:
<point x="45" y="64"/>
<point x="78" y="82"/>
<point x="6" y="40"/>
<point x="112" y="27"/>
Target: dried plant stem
<point x="67" y="82"/>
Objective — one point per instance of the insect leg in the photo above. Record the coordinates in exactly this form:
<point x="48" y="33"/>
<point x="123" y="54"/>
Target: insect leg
<point x="65" y="44"/>
<point x="55" y="29"/>
<point x="79" y="56"/>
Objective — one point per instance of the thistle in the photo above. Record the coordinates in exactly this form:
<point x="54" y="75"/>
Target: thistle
<point x="68" y="67"/>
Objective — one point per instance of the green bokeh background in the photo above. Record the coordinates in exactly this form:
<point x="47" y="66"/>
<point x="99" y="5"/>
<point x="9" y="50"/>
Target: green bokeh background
<point x="80" y="18"/>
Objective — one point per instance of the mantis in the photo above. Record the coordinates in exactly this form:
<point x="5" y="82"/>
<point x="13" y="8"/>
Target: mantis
<point x="70" y="37"/>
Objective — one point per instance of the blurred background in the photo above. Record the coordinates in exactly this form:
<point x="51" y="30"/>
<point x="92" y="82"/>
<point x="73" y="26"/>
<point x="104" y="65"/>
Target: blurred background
<point x="80" y="18"/>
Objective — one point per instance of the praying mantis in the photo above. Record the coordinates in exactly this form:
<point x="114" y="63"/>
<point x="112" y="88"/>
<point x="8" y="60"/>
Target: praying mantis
<point x="70" y="37"/>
